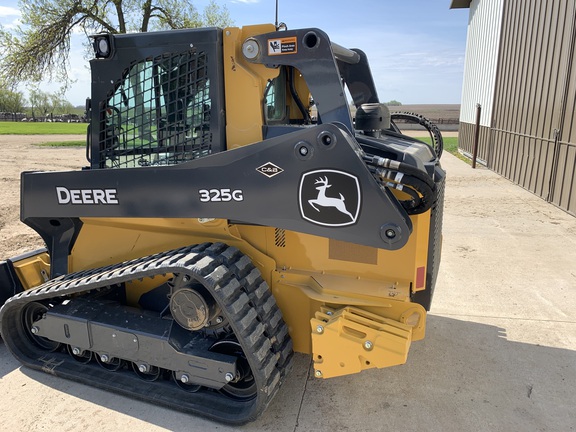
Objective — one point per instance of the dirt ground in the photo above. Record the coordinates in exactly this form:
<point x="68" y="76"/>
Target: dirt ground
<point x="499" y="354"/>
<point x="18" y="154"/>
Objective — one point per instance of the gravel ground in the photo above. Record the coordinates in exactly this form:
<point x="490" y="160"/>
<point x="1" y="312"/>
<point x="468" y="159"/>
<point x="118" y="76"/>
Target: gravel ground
<point x="500" y="351"/>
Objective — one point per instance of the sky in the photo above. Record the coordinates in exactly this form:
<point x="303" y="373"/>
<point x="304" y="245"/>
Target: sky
<point x="415" y="48"/>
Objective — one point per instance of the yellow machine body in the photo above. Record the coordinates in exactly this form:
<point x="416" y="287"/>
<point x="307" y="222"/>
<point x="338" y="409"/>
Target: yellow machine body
<point x="347" y="305"/>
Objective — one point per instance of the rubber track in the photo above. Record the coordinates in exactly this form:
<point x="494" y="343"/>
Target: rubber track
<point x="232" y="280"/>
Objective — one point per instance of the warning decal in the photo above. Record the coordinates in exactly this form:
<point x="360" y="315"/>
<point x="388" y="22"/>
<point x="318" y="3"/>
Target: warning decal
<point x="282" y="46"/>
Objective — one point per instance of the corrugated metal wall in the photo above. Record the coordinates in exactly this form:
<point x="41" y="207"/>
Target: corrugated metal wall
<point x="484" y="25"/>
<point x="531" y="138"/>
<point x="466" y="141"/>
<point x="563" y="191"/>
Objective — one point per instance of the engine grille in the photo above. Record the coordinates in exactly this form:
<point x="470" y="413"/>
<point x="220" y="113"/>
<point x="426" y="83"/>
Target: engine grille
<point x="279" y="237"/>
<point x="434" y="243"/>
<point x="436" y="237"/>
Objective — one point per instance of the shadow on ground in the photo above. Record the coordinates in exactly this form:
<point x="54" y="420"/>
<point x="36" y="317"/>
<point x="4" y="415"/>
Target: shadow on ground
<point x="463" y="376"/>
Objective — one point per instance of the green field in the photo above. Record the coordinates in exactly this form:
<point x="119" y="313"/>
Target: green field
<point x="450" y="146"/>
<point x="24" y="128"/>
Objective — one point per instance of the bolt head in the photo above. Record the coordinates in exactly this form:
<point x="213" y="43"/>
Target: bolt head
<point x="34" y="330"/>
<point x="105" y="358"/>
<point x="228" y="377"/>
<point x="320" y="329"/>
<point x="368" y="345"/>
<point x="76" y="351"/>
<point x="219" y="320"/>
<point x="250" y="49"/>
<point x="184" y="378"/>
<point x="143" y="368"/>
<point x="318" y="374"/>
<point x="303" y="151"/>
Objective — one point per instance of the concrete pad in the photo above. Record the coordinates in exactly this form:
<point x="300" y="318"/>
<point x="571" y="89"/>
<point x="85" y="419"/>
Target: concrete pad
<point x="500" y="351"/>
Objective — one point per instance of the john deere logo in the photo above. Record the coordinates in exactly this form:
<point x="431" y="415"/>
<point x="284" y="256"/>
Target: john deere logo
<point x="330" y="198"/>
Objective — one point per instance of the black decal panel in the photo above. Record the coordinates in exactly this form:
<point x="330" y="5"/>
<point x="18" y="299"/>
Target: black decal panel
<point x="321" y="194"/>
<point x="330" y="198"/>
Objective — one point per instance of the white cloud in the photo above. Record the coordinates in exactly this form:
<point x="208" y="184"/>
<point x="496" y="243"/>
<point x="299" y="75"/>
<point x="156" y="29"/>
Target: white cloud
<point x="9" y="17"/>
<point x="246" y="1"/>
<point x="13" y="25"/>
<point x="6" y="11"/>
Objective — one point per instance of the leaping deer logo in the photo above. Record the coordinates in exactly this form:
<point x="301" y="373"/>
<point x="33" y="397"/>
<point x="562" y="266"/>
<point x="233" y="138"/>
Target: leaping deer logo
<point x="323" y="201"/>
<point x="342" y="205"/>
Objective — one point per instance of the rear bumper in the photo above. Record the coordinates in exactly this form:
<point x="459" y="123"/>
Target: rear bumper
<point x="350" y="340"/>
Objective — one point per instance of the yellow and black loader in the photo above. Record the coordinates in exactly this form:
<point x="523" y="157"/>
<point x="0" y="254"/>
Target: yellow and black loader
<point x="232" y="211"/>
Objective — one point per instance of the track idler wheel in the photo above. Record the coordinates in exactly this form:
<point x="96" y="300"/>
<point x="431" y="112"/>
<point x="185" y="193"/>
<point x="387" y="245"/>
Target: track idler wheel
<point x="146" y="372"/>
<point x="33" y="312"/>
<point x="182" y="381"/>
<point x="109" y="363"/>
<point x="242" y="386"/>
<point x="81" y="356"/>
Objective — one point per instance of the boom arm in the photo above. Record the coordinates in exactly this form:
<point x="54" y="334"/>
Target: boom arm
<point x="270" y="183"/>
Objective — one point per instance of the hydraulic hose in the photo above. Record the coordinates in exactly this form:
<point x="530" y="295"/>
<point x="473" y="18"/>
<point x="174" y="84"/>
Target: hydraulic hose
<point x="400" y="167"/>
<point x="406" y="178"/>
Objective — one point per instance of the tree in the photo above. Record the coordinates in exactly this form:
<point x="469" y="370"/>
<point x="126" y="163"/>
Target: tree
<point x="41" y="101"/>
<point x="47" y="104"/>
<point x="11" y="101"/>
<point x="66" y="107"/>
<point x="39" y="48"/>
<point x="393" y="103"/>
<point x="58" y="104"/>
<point x="34" y="99"/>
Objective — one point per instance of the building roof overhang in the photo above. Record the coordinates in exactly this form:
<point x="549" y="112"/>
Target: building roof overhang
<point x="460" y="4"/>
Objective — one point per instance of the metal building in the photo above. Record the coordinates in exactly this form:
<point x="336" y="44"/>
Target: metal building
<point x="520" y="68"/>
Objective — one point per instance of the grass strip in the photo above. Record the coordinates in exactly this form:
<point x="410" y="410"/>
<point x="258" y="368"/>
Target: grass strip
<point x="25" y="128"/>
<point x="450" y="146"/>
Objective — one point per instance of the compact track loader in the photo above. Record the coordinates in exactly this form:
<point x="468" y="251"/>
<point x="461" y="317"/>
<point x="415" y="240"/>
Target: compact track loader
<point x="232" y="212"/>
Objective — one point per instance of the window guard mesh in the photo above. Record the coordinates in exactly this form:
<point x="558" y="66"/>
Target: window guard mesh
<point x="158" y="113"/>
